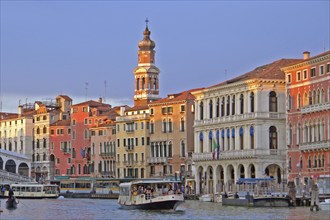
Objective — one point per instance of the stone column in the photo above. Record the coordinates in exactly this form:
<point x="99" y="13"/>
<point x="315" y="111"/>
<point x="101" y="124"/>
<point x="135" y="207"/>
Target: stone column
<point x="215" y="179"/>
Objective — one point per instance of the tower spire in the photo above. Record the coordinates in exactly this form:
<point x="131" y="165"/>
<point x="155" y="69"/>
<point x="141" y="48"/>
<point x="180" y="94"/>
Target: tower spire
<point x="147" y="21"/>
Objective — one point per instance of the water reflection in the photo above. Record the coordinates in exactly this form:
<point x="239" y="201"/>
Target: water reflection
<point x="109" y="209"/>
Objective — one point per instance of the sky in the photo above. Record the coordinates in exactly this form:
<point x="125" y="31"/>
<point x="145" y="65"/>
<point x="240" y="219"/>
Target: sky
<point x="88" y="49"/>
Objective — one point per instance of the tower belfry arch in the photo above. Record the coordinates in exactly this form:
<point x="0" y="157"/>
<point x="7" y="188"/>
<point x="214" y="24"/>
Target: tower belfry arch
<point x="146" y="73"/>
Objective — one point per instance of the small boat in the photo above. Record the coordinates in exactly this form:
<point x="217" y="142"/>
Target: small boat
<point x="325" y="205"/>
<point x="11" y="203"/>
<point x="205" y="198"/>
<point x="33" y="190"/>
<point x="150" y="194"/>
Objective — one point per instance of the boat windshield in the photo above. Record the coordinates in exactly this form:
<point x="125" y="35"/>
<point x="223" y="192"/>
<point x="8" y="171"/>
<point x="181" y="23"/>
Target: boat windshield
<point x="124" y="190"/>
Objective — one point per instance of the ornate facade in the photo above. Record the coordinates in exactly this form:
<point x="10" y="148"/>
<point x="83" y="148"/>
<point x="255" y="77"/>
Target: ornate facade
<point x="240" y="129"/>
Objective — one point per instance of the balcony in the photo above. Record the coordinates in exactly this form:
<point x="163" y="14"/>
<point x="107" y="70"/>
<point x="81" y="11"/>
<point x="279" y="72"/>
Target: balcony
<point x="315" y="108"/>
<point x="129" y="163"/>
<point x="320" y="145"/>
<point x="129" y="148"/>
<point x="66" y="150"/>
<point x="108" y="154"/>
<point x="239" y="154"/>
<point x="157" y="160"/>
<point x="246" y="116"/>
<point x="132" y="118"/>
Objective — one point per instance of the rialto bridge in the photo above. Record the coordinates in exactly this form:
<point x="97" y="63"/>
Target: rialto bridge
<point x="14" y="167"/>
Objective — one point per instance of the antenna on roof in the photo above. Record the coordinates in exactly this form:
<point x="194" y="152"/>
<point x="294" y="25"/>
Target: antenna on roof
<point x="105" y="90"/>
<point x="86" y="89"/>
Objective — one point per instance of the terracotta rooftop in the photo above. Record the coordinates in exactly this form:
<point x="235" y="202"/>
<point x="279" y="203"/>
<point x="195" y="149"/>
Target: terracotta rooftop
<point x="268" y="71"/>
<point x="137" y="108"/>
<point x="65" y="97"/>
<point x="185" y="95"/>
<point x="62" y="123"/>
<point x="91" y="103"/>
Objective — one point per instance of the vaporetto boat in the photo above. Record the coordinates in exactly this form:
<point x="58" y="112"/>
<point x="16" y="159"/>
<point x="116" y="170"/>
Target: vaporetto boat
<point x="150" y="194"/>
<point x="34" y="190"/>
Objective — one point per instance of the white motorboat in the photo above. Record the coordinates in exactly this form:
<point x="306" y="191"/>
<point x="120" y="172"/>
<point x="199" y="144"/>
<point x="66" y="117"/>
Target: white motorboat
<point x="325" y="205"/>
<point x="150" y="194"/>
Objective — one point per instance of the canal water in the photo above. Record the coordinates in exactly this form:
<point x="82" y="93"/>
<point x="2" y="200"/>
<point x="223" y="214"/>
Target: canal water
<point x="108" y="209"/>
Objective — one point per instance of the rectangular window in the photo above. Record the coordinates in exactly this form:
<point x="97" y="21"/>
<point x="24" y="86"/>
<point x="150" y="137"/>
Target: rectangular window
<point x="85" y="109"/>
<point x="74" y="122"/>
<point x="148" y="140"/>
<point x="74" y="110"/>
<point x="86" y="121"/>
<point x="289" y="78"/>
<point x="164" y="110"/>
<point x="313" y="72"/>
<point x="328" y="67"/>
<point x="321" y="70"/>
<point x="151" y="111"/>
<point x="52" y="132"/>
<point x="142" y="141"/>
<point x="169" y="110"/>
<point x="182" y="108"/>
<point x="305" y="74"/>
<point x="298" y="76"/>
<point x="136" y="141"/>
<point x="142" y="125"/>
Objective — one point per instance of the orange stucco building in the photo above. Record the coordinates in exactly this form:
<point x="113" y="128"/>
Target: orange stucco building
<point x="308" y="118"/>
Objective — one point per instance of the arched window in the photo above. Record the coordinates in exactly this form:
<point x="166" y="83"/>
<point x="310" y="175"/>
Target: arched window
<point x="309" y="162"/>
<point x="38" y="157"/>
<point x="183" y="149"/>
<point x="223" y="106"/>
<point x="298" y="134"/>
<point x="228" y="139"/>
<point x="290" y="134"/>
<point x="290" y="163"/>
<point x="210" y="141"/>
<point x="228" y="106"/>
<point x="310" y="98"/>
<point x="164" y="126"/>
<point x="318" y="97"/>
<point x="211" y="108"/>
<point x="155" y="84"/>
<point x="201" y="142"/>
<point x="252" y="137"/>
<point x="241" y="103"/>
<point x="305" y="99"/>
<point x="223" y="139"/>
<point x="272" y="137"/>
<point x="170" y="125"/>
<point x="143" y="83"/>
<point x="44" y="130"/>
<point x="233" y="137"/>
<point x="315" y="161"/>
<point x="289" y="102"/>
<point x="44" y="143"/>
<point x="272" y="102"/>
<point x="38" y="130"/>
<point x="252" y="102"/>
<point x="182" y="128"/>
<point x="241" y="137"/>
<point x="322" y="97"/>
<point x="218" y="108"/>
<point x="170" y="149"/>
<point x="314" y="97"/>
<point x="138" y="84"/>
<point x="201" y="111"/>
<point x="298" y="101"/>
<point x="233" y="105"/>
<point x="44" y="157"/>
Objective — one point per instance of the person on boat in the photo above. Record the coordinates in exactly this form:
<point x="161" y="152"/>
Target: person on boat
<point x="11" y="193"/>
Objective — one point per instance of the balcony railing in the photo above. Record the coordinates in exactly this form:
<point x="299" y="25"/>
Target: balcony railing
<point x="246" y="116"/>
<point x="157" y="160"/>
<point x="129" y="147"/>
<point x="130" y="118"/>
<point x="315" y="108"/>
<point x="107" y="154"/>
<point x="315" y="145"/>
<point x="238" y="154"/>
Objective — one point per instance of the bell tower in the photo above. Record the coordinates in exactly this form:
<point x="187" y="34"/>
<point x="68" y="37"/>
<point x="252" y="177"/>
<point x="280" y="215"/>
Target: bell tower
<point x="146" y="73"/>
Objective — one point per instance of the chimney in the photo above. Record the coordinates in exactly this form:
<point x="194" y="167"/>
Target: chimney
<point x="20" y="110"/>
<point x="122" y="111"/>
<point x="306" y="55"/>
<point x="100" y="100"/>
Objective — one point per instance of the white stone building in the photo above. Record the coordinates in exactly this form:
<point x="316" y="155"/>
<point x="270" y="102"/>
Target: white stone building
<point x="239" y="129"/>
